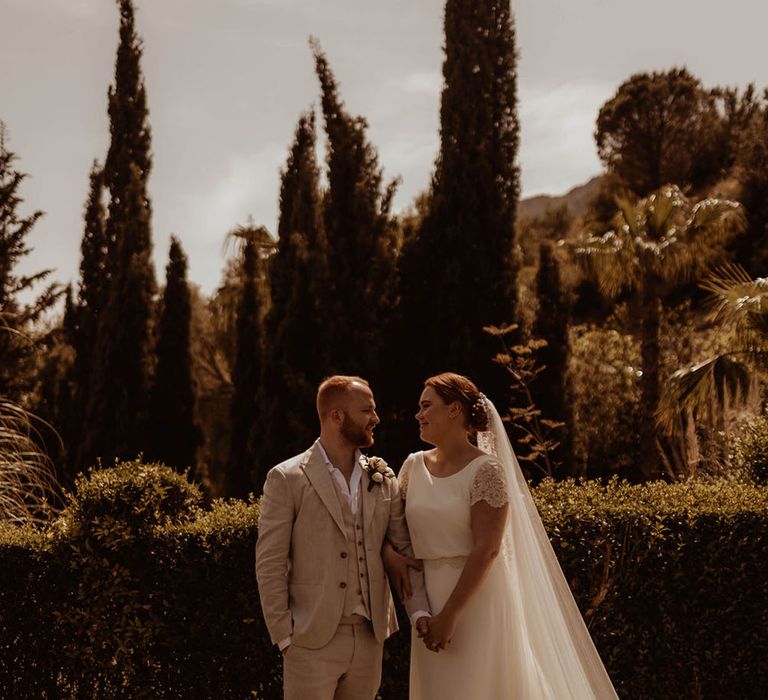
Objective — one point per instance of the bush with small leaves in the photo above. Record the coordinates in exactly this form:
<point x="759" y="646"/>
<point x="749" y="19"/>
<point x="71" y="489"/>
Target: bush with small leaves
<point x="748" y="449"/>
<point x="671" y="578"/>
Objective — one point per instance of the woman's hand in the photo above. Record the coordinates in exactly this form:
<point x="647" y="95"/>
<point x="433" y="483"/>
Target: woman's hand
<point x="440" y="632"/>
<point x="396" y="565"/>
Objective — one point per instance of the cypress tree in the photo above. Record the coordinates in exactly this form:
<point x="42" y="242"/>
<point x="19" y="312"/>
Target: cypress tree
<point x="297" y="273"/>
<point x="175" y="436"/>
<point x="117" y="406"/>
<point x="362" y="247"/>
<point x="82" y="316"/>
<point x="249" y="358"/>
<point x="551" y="390"/>
<point x="17" y="350"/>
<point x="459" y="272"/>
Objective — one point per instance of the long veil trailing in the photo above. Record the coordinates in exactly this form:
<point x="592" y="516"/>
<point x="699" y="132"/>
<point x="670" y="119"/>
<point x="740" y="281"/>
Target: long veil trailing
<point x="561" y="661"/>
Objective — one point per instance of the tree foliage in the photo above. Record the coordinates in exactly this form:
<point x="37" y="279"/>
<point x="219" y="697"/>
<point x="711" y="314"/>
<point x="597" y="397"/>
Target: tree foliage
<point x="705" y="388"/>
<point x="175" y="435"/>
<point x="661" y="128"/>
<point x="116" y="413"/>
<point x="296" y="320"/>
<point x="751" y="250"/>
<point x="17" y="316"/>
<point x="459" y="271"/>
<point x="252" y="307"/>
<point x="656" y="243"/>
<point x="551" y="391"/>
<point x="361" y="245"/>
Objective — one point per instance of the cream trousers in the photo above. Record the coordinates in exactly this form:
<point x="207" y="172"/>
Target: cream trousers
<point x="347" y="668"/>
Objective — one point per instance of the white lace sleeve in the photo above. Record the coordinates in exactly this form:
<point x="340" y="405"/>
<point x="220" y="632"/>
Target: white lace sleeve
<point x="489" y="485"/>
<point x="402" y="477"/>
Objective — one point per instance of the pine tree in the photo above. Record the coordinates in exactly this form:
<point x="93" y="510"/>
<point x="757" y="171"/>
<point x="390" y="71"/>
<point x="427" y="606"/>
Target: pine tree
<point x="362" y="248"/>
<point x="660" y="128"/>
<point x="175" y="436"/>
<point x="551" y="389"/>
<point x="459" y="272"/>
<point x="17" y="349"/>
<point x="118" y="393"/>
<point x="247" y="372"/>
<point x="297" y="274"/>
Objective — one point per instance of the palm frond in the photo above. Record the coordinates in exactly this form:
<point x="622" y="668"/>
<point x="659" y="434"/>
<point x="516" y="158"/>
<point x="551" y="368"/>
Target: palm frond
<point x="242" y="234"/>
<point x="703" y="387"/>
<point x="609" y="259"/>
<point x="717" y="218"/>
<point x="735" y="294"/>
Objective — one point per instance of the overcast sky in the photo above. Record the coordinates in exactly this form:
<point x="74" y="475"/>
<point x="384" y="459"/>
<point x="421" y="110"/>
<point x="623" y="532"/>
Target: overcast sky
<point x="227" y="80"/>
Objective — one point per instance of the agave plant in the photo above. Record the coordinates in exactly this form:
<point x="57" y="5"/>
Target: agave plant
<point x="740" y="304"/>
<point x="28" y="486"/>
<point x="656" y="243"/>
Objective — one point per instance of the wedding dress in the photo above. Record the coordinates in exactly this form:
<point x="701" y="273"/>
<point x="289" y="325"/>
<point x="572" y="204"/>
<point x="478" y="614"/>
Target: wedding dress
<point x="521" y="635"/>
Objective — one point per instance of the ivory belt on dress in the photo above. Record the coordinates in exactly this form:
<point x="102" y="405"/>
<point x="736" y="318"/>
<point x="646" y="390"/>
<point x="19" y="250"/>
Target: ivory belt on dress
<point x="439" y="562"/>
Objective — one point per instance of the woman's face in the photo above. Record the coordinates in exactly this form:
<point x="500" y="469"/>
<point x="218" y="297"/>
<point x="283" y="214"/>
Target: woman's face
<point x="435" y="416"/>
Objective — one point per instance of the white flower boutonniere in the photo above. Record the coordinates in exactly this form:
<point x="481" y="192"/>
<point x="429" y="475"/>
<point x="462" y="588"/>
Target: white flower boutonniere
<point x="377" y="470"/>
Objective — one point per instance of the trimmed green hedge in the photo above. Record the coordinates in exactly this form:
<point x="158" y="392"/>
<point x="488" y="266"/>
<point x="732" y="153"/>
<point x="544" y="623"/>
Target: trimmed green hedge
<point x="139" y="591"/>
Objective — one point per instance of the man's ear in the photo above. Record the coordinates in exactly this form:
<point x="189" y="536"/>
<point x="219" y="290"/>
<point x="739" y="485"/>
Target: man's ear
<point x="337" y="416"/>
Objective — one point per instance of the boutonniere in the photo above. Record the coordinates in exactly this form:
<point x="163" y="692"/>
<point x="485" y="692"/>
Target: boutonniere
<point x="377" y="470"/>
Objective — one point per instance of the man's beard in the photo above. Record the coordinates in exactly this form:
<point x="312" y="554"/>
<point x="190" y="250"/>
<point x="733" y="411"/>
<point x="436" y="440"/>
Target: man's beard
<point x="355" y="434"/>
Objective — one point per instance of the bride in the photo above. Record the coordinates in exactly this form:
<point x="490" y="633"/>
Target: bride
<point x="504" y="624"/>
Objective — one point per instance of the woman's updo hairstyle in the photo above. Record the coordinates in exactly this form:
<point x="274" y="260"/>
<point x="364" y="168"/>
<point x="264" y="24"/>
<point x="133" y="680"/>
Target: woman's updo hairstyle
<point x="451" y="387"/>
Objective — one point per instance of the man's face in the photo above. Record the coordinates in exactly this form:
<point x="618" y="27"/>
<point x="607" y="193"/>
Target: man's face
<point x="359" y="416"/>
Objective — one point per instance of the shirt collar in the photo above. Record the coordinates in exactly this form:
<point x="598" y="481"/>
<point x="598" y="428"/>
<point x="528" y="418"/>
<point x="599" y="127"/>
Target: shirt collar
<point x="330" y="465"/>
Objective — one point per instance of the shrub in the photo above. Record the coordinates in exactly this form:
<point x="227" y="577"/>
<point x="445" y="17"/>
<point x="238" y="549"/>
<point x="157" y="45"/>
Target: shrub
<point x="748" y="449"/>
<point x="111" y="625"/>
<point x="672" y="580"/>
<point x="127" y="500"/>
<point x="606" y="396"/>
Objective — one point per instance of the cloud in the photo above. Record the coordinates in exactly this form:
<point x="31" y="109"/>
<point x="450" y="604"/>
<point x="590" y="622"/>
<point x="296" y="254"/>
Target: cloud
<point x="557" y="150"/>
<point x="81" y="9"/>
<point x="246" y="186"/>
<point x="425" y="83"/>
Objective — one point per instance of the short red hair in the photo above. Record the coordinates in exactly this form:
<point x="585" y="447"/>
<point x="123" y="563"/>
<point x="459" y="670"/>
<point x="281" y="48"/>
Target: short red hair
<point x="332" y="390"/>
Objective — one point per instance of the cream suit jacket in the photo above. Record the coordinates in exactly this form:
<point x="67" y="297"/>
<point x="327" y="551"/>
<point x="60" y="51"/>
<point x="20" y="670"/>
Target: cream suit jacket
<point x="302" y="550"/>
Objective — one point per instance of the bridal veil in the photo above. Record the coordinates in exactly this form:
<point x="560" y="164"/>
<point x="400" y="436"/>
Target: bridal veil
<point x="561" y="661"/>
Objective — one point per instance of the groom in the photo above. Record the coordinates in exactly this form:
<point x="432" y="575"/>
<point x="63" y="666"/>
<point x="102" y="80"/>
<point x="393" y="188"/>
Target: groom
<point x="323" y="520"/>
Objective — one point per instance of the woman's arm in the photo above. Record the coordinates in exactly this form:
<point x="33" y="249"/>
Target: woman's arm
<point x="488" y="523"/>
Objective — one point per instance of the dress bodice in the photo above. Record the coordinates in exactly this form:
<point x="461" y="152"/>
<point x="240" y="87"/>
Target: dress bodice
<point x="438" y="508"/>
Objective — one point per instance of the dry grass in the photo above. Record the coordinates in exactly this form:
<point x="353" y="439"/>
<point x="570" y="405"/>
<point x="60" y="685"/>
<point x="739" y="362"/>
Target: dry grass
<point x="28" y="485"/>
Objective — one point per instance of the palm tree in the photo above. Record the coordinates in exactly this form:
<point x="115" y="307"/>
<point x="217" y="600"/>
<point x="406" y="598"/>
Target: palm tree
<point x="705" y="388"/>
<point x="656" y="243"/>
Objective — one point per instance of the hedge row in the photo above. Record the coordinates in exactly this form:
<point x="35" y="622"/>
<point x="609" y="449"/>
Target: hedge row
<point x="138" y="590"/>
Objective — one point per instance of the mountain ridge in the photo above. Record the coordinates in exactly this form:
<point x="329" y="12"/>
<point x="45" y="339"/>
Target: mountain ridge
<point x="576" y="200"/>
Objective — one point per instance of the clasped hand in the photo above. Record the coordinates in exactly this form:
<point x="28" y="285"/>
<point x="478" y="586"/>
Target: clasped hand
<point x="436" y="632"/>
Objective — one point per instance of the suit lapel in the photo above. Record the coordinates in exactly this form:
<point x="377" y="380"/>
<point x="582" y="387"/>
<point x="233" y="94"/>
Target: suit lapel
<point x="368" y="499"/>
<point x="322" y="482"/>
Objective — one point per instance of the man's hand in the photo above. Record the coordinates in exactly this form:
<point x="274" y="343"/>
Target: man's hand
<point x="422" y="626"/>
<point x="397" y="565"/>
